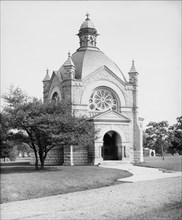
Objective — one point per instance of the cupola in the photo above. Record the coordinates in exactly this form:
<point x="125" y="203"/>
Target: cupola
<point x="87" y="34"/>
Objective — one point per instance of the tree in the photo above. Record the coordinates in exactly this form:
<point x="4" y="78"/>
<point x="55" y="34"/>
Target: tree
<point x="7" y="147"/>
<point x="44" y="126"/>
<point x="23" y="148"/>
<point x="157" y="136"/>
<point x="15" y="96"/>
<point x="175" y="137"/>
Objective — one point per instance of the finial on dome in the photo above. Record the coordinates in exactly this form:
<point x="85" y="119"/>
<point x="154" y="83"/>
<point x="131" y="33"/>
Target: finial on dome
<point x="68" y="53"/>
<point x="47" y="71"/>
<point x="87" y="16"/>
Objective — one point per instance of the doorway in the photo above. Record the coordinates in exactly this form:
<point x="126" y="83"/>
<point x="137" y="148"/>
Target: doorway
<point x="112" y="149"/>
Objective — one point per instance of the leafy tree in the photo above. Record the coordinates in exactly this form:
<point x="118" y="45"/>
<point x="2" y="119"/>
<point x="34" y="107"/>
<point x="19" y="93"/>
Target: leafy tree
<point x="44" y="126"/>
<point x="157" y="136"/>
<point x="23" y="148"/>
<point x="175" y="137"/>
<point x="15" y="96"/>
<point x="7" y="147"/>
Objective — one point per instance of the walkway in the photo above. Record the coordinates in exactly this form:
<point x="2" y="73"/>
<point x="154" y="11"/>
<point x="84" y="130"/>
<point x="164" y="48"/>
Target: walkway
<point x="140" y="173"/>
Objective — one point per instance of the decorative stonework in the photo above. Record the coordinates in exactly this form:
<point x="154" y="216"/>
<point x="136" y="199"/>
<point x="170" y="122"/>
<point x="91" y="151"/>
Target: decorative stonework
<point x="102" y="74"/>
<point x="102" y="100"/>
<point x="128" y="87"/>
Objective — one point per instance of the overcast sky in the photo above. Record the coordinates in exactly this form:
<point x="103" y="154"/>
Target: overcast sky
<point x="38" y="35"/>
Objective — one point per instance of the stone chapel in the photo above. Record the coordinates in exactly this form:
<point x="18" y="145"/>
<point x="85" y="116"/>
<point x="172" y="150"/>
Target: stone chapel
<point x="96" y="87"/>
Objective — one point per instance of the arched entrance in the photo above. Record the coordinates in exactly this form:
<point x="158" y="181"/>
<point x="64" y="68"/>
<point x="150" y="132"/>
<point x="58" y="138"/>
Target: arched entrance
<point x="112" y="147"/>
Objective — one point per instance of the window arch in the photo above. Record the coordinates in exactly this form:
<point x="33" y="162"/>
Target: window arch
<point x="55" y="97"/>
<point x="103" y="99"/>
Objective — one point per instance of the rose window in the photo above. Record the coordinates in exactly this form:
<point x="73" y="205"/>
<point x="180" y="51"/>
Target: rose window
<point x="102" y="100"/>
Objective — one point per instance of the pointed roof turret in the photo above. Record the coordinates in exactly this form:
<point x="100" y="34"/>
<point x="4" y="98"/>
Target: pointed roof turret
<point x="69" y="61"/>
<point x="133" y="69"/>
<point x="47" y="77"/>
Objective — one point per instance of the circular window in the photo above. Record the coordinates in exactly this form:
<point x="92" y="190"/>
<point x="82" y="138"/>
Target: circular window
<point x="101" y="100"/>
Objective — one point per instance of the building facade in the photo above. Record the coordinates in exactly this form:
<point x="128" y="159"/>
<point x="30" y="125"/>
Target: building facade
<point x="97" y="88"/>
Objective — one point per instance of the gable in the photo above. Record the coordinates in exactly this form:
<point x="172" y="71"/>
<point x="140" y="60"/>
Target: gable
<point x="103" y="73"/>
<point x="56" y="76"/>
<point x="111" y="116"/>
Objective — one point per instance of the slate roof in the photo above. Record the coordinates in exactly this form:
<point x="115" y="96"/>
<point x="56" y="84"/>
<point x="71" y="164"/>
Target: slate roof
<point x="87" y="61"/>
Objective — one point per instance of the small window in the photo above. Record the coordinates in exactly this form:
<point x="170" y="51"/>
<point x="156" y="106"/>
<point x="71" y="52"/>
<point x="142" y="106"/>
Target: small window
<point x="55" y="97"/>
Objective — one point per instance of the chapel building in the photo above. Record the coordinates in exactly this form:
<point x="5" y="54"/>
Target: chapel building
<point x="97" y="88"/>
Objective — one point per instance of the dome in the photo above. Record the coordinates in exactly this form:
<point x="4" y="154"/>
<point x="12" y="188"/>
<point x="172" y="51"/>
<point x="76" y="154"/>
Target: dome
<point x="87" y="24"/>
<point x="87" y="61"/>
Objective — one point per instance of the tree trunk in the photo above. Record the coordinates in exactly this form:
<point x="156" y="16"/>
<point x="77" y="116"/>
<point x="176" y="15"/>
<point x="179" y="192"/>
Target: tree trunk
<point x="36" y="159"/>
<point x="162" y="152"/>
<point x="42" y="159"/>
<point x="42" y="164"/>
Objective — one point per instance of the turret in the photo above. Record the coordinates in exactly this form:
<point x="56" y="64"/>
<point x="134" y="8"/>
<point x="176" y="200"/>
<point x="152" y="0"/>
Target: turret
<point x="46" y="82"/>
<point x="137" y="132"/>
<point x="133" y="79"/>
<point x="88" y="35"/>
<point x="133" y="74"/>
<point x="69" y="68"/>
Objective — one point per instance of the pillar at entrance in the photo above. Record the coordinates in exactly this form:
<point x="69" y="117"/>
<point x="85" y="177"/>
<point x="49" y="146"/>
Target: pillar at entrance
<point x="120" y="154"/>
<point x="98" y="153"/>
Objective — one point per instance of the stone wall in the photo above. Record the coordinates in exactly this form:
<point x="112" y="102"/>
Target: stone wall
<point x="75" y="156"/>
<point x="54" y="157"/>
<point x="80" y="156"/>
<point x="67" y="156"/>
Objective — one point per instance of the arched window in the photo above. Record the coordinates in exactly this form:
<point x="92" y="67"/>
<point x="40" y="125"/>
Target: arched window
<point x="55" y="97"/>
<point x="102" y="99"/>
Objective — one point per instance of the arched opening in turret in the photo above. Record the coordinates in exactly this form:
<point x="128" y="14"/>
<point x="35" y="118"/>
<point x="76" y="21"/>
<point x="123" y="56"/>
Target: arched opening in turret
<point x="55" y="97"/>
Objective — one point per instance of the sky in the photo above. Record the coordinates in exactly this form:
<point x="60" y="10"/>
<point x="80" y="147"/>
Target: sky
<point x="36" y="35"/>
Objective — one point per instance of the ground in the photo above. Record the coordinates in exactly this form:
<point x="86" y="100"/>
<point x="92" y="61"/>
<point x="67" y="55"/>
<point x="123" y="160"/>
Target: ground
<point x="148" y="200"/>
<point x="20" y="181"/>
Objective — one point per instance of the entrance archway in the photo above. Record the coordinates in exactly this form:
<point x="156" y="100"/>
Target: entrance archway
<point x="112" y="146"/>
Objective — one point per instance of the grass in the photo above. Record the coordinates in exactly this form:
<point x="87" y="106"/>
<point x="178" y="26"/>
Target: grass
<point x="173" y="163"/>
<point x="20" y="181"/>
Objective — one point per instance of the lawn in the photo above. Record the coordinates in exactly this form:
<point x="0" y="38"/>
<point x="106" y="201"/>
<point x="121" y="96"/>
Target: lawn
<point x="173" y="163"/>
<point x="20" y="181"/>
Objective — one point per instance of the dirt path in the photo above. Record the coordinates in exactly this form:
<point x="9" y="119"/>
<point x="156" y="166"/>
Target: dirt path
<point x="123" y="201"/>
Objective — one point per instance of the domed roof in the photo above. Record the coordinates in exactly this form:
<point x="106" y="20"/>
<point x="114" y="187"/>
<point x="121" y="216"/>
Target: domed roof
<point x="87" y="23"/>
<point x="88" y="57"/>
<point x="87" y="61"/>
